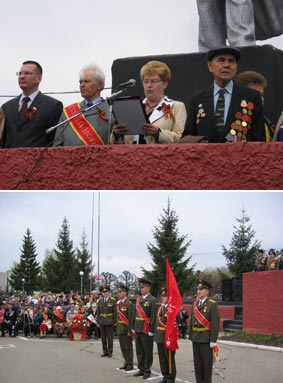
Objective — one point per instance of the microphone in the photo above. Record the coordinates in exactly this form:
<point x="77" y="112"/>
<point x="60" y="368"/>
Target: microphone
<point x="129" y="84"/>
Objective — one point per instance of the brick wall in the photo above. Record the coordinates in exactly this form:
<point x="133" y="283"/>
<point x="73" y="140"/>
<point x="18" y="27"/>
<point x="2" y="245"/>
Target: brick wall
<point x="263" y="302"/>
<point x="238" y="166"/>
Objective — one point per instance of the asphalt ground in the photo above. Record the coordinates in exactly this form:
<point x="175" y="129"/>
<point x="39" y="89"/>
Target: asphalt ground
<point x="58" y="360"/>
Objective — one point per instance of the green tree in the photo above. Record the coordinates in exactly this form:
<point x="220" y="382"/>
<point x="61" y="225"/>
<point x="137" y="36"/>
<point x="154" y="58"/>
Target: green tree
<point x="169" y="244"/>
<point x="49" y="277"/>
<point x="25" y="274"/>
<point x="84" y="263"/>
<point x="60" y="265"/>
<point x="240" y="256"/>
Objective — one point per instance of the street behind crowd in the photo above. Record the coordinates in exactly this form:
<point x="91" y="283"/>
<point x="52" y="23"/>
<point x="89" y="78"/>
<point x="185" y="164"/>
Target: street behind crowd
<point x="34" y="360"/>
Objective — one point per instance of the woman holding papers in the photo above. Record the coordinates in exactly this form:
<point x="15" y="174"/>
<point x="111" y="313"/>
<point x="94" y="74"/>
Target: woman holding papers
<point x="167" y="117"/>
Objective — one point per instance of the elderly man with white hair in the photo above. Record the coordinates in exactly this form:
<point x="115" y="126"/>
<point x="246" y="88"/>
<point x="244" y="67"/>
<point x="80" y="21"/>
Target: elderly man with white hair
<point x="87" y="124"/>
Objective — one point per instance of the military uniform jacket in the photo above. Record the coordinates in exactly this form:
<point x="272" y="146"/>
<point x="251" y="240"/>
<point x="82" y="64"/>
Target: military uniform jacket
<point x="161" y="319"/>
<point x="66" y="136"/>
<point x="272" y="264"/>
<point x="260" y="264"/>
<point x="197" y="332"/>
<point x="149" y="306"/>
<point x="106" y="313"/>
<point x="127" y="308"/>
<point x="202" y="122"/>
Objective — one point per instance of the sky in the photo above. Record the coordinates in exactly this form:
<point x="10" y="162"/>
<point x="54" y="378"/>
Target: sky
<point x="127" y="220"/>
<point x="65" y="35"/>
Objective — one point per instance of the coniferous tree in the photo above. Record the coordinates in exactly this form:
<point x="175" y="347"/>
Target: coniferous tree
<point x="84" y="263"/>
<point x="169" y="244"/>
<point x="240" y="255"/>
<point x="25" y="274"/>
<point x="49" y="277"/>
<point x="65" y="267"/>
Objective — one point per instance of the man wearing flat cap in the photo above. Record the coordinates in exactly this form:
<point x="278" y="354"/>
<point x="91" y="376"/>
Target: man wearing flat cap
<point x="106" y="316"/>
<point x="226" y="111"/>
<point x="125" y="316"/>
<point x="203" y="332"/>
<point x="144" y="325"/>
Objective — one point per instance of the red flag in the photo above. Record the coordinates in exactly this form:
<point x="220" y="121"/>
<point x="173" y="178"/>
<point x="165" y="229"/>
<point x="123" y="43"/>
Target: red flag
<point x="174" y="301"/>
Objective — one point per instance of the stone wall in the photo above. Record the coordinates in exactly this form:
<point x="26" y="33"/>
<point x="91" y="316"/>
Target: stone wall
<point x="240" y="166"/>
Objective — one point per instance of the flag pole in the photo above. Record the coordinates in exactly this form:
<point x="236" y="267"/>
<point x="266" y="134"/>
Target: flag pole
<point x="91" y="247"/>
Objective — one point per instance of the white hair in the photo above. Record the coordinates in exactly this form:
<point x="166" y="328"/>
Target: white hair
<point x="97" y="72"/>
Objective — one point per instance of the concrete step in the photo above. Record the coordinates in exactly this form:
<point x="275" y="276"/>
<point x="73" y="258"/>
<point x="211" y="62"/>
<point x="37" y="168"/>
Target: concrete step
<point x="233" y="325"/>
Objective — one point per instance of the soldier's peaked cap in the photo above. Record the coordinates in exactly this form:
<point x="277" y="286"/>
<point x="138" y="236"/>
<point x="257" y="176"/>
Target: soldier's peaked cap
<point x="202" y="284"/>
<point x="104" y="287"/>
<point x="144" y="282"/>
<point x="122" y="287"/>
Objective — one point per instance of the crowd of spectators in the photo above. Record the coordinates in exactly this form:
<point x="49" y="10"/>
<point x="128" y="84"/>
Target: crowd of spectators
<point x="48" y="313"/>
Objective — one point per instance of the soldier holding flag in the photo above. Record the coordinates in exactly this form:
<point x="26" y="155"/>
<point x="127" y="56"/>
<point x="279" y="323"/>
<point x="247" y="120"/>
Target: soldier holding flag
<point x="166" y="357"/>
<point x="166" y="330"/>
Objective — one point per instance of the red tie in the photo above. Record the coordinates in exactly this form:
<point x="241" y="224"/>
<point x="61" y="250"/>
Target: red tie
<point x="24" y="108"/>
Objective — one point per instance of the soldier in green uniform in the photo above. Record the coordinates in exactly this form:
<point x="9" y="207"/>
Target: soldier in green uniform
<point x="260" y="261"/>
<point x="203" y="332"/>
<point x="125" y="316"/>
<point x="144" y="325"/>
<point x="166" y="357"/>
<point x="272" y="262"/>
<point x="106" y="315"/>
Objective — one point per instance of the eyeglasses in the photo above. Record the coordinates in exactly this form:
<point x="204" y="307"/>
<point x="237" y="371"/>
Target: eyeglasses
<point x="151" y="82"/>
<point x="25" y="73"/>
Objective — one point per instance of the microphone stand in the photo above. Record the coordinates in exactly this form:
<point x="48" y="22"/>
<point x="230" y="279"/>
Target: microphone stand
<point x="110" y="102"/>
<point x="71" y="118"/>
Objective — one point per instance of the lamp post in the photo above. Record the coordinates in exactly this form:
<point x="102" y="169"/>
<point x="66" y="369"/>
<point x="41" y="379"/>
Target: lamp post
<point x="23" y="285"/>
<point x="81" y="274"/>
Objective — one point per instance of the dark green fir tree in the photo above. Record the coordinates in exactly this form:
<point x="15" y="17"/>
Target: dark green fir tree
<point x="240" y="255"/>
<point x="25" y="274"/>
<point x="169" y="243"/>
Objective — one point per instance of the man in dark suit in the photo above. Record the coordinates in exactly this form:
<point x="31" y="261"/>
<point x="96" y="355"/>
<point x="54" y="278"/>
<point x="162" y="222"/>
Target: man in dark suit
<point x="30" y="114"/>
<point x="239" y="114"/>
